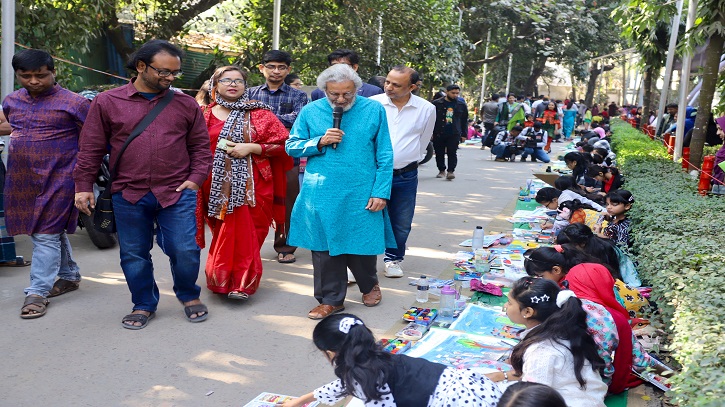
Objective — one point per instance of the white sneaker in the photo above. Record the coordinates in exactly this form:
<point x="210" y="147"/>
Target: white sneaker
<point x="393" y="269"/>
<point x="350" y="278"/>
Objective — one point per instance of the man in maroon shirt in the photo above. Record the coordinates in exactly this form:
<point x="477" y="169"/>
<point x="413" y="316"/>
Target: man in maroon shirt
<point x="157" y="177"/>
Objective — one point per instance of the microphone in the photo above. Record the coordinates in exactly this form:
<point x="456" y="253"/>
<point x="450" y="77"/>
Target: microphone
<point x="336" y="119"/>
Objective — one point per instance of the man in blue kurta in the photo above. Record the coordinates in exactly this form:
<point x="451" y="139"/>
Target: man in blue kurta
<point x="340" y="213"/>
<point x="46" y="121"/>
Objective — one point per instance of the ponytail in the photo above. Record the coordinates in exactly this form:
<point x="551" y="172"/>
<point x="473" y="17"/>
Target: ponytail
<point x="561" y="318"/>
<point x="358" y="358"/>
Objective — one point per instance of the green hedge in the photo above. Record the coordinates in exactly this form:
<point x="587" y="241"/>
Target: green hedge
<point x="679" y="245"/>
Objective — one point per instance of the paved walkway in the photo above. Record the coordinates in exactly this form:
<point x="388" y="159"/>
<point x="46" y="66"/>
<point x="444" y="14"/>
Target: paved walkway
<point x="79" y="355"/>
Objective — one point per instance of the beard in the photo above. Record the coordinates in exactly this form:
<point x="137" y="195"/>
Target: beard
<point x="344" y="108"/>
<point x="155" y="82"/>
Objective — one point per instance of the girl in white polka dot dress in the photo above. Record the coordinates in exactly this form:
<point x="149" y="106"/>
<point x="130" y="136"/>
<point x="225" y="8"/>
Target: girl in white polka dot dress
<point x="379" y="379"/>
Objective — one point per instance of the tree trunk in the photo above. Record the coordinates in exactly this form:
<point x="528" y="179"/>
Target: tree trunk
<point x="536" y="72"/>
<point x="173" y="26"/>
<point x="647" y="98"/>
<point x="709" y="84"/>
<point x="594" y="72"/>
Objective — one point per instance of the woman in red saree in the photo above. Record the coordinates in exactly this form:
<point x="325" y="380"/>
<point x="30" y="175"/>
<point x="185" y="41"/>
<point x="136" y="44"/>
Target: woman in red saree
<point x="246" y="189"/>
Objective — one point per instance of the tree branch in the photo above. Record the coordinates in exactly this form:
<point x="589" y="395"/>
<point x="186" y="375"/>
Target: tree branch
<point x="175" y="24"/>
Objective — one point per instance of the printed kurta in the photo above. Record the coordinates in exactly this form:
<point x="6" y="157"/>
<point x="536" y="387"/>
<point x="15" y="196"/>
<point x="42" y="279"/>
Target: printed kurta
<point x="39" y="189"/>
<point x="329" y="214"/>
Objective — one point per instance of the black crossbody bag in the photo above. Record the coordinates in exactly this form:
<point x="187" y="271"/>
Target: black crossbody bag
<point x="103" y="219"/>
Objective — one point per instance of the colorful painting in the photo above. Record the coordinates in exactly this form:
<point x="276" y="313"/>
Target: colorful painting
<point x="481" y="320"/>
<point x="462" y="350"/>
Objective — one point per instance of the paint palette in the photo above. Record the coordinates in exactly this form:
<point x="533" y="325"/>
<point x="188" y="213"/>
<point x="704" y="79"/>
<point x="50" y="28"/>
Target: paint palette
<point x="395" y="345"/>
<point x="424" y="316"/>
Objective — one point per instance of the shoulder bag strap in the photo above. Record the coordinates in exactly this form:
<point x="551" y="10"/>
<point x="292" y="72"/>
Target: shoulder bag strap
<point x="147" y="120"/>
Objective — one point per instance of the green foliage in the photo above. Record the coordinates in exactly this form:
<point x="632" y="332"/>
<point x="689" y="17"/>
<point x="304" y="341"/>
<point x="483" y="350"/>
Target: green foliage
<point x="645" y="25"/>
<point x="60" y="26"/>
<point x="679" y="248"/>
<point x="423" y="34"/>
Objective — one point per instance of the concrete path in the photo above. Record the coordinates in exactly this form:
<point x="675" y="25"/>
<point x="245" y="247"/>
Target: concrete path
<point x="79" y="355"/>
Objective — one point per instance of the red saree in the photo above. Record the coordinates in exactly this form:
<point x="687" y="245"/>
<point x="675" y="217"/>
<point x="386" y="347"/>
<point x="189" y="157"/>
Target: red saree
<point x="234" y="262"/>
<point x="595" y="283"/>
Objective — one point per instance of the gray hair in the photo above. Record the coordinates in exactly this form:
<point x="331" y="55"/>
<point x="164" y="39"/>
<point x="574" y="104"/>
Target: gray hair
<point x="338" y="73"/>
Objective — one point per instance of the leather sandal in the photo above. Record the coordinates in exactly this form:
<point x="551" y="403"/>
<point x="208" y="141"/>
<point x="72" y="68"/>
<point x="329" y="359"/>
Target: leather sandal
<point x="372" y="298"/>
<point x="34" y="307"/>
<point x="323" y="310"/>
<point x="62" y="287"/>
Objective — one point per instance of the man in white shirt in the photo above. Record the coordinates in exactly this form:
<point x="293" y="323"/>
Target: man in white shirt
<point x="411" y="120"/>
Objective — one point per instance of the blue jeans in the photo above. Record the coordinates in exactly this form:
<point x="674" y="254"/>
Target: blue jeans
<point x="52" y="257"/>
<point x="401" y="208"/>
<point x="538" y="153"/>
<point x="177" y="230"/>
<point x="502" y="151"/>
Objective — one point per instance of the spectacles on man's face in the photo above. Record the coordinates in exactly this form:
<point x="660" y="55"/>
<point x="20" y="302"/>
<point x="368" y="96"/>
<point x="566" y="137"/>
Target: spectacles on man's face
<point x="335" y="96"/>
<point x="280" y="68"/>
<point x="227" y="81"/>
<point x="165" y="72"/>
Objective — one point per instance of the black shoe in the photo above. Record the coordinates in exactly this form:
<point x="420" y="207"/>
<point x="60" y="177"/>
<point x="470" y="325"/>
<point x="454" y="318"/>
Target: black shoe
<point x="533" y="160"/>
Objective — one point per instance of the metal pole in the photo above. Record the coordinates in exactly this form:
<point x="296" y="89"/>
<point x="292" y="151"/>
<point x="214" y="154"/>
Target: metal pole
<point x="275" y="23"/>
<point x="380" y="39"/>
<point x="511" y="61"/>
<point x="624" y="83"/>
<point x="8" y="48"/>
<point x="684" y="86"/>
<point x="485" y="72"/>
<point x="670" y="59"/>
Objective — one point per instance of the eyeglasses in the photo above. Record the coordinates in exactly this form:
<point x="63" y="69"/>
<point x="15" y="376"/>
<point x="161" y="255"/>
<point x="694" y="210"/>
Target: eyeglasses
<point x="335" y="96"/>
<point x="165" y="72"/>
<point x="227" y="81"/>
<point x="280" y="68"/>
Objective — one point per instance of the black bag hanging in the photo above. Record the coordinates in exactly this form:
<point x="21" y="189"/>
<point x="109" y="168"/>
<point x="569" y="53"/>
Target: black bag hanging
<point x="103" y="218"/>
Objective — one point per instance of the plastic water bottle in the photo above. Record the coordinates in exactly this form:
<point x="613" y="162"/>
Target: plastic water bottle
<point x="481" y="261"/>
<point x="477" y="241"/>
<point x="448" y="301"/>
<point x="422" y="294"/>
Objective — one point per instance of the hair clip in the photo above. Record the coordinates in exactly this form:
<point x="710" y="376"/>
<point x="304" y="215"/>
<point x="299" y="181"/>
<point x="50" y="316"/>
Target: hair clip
<point x="631" y="199"/>
<point x="564" y="296"/>
<point x="559" y="248"/>
<point x="347" y="323"/>
<point x="544" y="298"/>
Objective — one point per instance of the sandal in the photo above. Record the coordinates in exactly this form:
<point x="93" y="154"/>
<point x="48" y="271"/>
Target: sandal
<point x="34" y="307"/>
<point x="237" y="295"/>
<point x="196" y="309"/>
<point x="281" y="257"/>
<point x="62" y="287"/>
<point x="141" y="318"/>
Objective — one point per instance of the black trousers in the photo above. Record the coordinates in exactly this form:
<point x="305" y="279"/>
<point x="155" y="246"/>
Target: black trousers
<point x="446" y="145"/>
<point x="330" y="275"/>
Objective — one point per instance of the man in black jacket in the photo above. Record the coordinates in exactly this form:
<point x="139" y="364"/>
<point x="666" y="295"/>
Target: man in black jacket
<point x="451" y="125"/>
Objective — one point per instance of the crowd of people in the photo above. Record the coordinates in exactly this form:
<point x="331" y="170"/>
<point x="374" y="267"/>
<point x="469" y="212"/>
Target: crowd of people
<point x="233" y="166"/>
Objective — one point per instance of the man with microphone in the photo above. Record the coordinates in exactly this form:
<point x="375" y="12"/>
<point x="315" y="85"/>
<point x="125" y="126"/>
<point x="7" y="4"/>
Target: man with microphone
<point x="340" y="213"/>
<point x="410" y="120"/>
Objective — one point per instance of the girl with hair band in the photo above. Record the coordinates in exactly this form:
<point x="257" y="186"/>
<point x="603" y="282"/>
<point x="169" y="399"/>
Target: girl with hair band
<point x="245" y="192"/>
<point x="379" y="379"/>
<point x="530" y="394"/>
<point x="608" y="320"/>
<point x="555" y="349"/>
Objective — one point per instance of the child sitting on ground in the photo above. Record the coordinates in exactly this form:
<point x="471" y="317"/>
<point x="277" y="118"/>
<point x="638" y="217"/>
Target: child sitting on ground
<point x="610" y="178"/>
<point x="555" y="349"/>
<point x="619" y="202"/>
<point x="608" y="320"/>
<point x="379" y="379"/>
<point x="555" y="199"/>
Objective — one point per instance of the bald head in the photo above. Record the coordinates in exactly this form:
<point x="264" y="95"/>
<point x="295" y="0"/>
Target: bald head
<point x="400" y="82"/>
